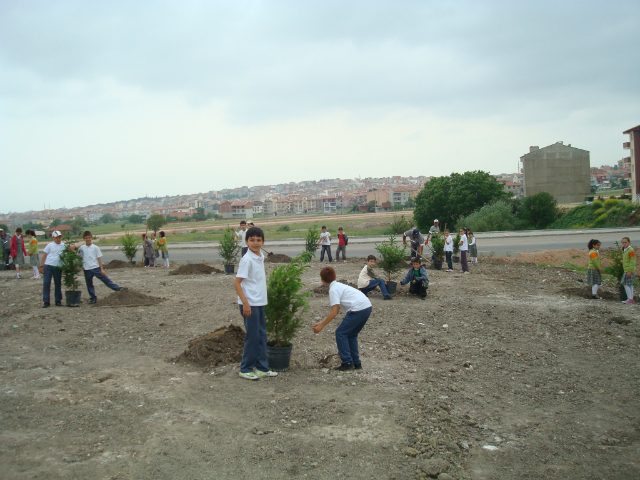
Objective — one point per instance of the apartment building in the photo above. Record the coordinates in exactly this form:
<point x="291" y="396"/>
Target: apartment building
<point x="633" y="162"/>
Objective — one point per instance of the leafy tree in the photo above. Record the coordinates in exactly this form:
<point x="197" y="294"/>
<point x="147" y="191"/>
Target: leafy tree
<point x="228" y="249"/>
<point x="32" y="226"/>
<point x="450" y="198"/>
<point x="135" y="219"/>
<point x="156" y="222"/>
<point x="77" y="225"/>
<point x="411" y="203"/>
<point x="199" y="215"/>
<point x="56" y="222"/>
<point x="371" y="206"/>
<point x="539" y="210"/>
<point x="397" y="207"/>
<point x="71" y="267"/>
<point x="108" y="218"/>
<point x="398" y="225"/>
<point x="392" y="256"/>
<point x="311" y="242"/>
<point x="4" y="227"/>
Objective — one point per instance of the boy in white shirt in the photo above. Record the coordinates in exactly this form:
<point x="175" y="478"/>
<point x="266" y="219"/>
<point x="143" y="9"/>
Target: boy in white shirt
<point x="92" y="265"/>
<point x="358" y="308"/>
<point x="448" y="249"/>
<point x="50" y="268"/>
<point x="325" y="240"/>
<point x="242" y="236"/>
<point x="251" y="287"/>
<point x="464" y="248"/>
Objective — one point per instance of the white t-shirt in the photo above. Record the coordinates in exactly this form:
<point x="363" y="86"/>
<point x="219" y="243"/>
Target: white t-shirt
<point x="53" y="251"/>
<point x="473" y="241"/>
<point x="448" y="247"/>
<point x="90" y="256"/>
<point x="465" y="245"/>
<point x="325" y="237"/>
<point x="242" y="234"/>
<point x="254" y="283"/>
<point x="349" y="299"/>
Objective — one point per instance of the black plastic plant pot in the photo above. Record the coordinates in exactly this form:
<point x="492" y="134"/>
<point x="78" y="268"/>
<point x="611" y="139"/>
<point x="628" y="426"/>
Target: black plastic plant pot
<point x="278" y="357"/>
<point x="391" y="287"/>
<point x="455" y="259"/>
<point x="228" y="269"/>
<point x="73" y="298"/>
<point x="437" y="264"/>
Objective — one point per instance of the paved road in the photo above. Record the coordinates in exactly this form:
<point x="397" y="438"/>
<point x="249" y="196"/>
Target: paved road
<point x="500" y="243"/>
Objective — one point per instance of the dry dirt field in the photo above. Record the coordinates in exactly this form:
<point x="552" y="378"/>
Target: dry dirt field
<point x="507" y="373"/>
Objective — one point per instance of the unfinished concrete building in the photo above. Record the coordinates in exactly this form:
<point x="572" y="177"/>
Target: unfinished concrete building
<point x="560" y="170"/>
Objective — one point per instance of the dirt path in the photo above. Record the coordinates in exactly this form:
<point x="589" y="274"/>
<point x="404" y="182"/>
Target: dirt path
<point x="504" y="373"/>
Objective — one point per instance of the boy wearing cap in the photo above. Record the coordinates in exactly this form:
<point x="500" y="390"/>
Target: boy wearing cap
<point x="50" y="268"/>
<point x="417" y="241"/>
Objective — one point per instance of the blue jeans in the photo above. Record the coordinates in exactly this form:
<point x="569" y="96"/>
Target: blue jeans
<point x="254" y="354"/>
<point x="56" y="274"/>
<point x="373" y="284"/>
<point x="326" y="248"/>
<point x="95" y="272"/>
<point x="347" y="335"/>
<point x="449" y="264"/>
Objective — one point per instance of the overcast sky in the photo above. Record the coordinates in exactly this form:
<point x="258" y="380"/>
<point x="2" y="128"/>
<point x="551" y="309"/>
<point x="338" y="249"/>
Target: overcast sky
<point x="110" y="100"/>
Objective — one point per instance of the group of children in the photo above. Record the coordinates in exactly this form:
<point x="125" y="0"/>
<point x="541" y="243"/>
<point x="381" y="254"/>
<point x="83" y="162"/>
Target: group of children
<point x="153" y="248"/>
<point x="18" y="251"/>
<point x="325" y="243"/>
<point x="467" y="246"/>
<point x="594" y="269"/>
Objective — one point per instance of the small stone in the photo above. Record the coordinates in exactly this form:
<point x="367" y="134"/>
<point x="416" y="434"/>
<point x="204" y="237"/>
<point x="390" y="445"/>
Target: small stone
<point x="412" y="451"/>
<point x="435" y="466"/>
<point x="445" y="476"/>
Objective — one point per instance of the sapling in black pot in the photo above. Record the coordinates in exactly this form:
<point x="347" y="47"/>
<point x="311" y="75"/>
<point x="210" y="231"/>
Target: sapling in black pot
<point x="437" y="247"/>
<point x="311" y="243"/>
<point x="392" y="260"/>
<point x="285" y="303"/>
<point x="228" y="250"/>
<point x="456" y="248"/>
<point x="71" y="268"/>
<point x="129" y="245"/>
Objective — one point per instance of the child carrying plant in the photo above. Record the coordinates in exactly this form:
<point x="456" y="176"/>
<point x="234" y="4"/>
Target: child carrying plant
<point x="473" y="249"/>
<point x="368" y="280"/>
<point x="594" y="269"/>
<point x="417" y="279"/>
<point x="92" y="265"/>
<point x="251" y="287"/>
<point x="32" y="251"/>
<point x="162" y="243"/>
<point x="358" y="308"/>
<point x="629" y="265"/>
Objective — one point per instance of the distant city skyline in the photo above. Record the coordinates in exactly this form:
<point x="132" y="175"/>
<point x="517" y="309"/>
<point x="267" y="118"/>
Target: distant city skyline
<point x="109" y="100"/>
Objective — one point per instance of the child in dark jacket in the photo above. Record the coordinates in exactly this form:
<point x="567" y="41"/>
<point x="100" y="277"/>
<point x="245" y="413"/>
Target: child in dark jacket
<point x="417" y="279"/>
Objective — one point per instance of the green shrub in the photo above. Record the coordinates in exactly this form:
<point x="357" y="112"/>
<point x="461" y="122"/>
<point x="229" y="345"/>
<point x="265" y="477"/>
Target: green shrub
<point x="285" y="301"/>
<point x="493" y="217"/>
<point x="599" y="212"/>
<point x="437" y="246"/>
<point x="228" y="249"/>
<point x="129" y="243"/>
<point x="539" y="210"/>
<point x="601" y="219"/>
<point x="610" y="202"/>
<point x="615" y="268"/>
<point x="311" y="242"/>
<point x="284" y="228"/>
<point x="398" y="225"/>
<point x="71" y="268"/>
<point x="596" y="205"/>
<point x="392" y="256"/>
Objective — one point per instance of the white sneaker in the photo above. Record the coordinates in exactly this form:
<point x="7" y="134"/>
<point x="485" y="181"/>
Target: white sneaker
<point x="269" y="373"/>
<point x="249" y="376"/>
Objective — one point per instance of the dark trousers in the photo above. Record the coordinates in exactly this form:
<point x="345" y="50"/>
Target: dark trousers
<point x="418" y="288"/>
<point x="254" y="354"/>
<point x="326" y="248"/>
<point x="49" y="273"/>
<point x="88" y="278"/>
<point x="378" y="282"/>
<point x="449" y="255"/>
<point x="148" y="261"/>
<point x="343" y="249"/>
<point x="463" y="261"/>
<point x="415" y="250"/>
<point x="347" y="335"/>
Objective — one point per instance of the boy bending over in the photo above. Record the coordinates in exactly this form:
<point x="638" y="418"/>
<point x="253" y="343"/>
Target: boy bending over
<point x="358" y="308"/>
<point x="368" y="281"/>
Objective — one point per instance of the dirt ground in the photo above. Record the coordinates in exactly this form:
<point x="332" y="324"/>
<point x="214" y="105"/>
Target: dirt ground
<point x="506" y="373"/>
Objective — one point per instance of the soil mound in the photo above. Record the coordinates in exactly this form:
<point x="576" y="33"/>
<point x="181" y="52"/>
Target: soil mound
<point x="221" y="347"/>
<point x="324" y="290"/>
<point x="128" y="298"/>
<point x="585" y="292"/>
<point x="277" y="258"/>
<point x="195" y="269"/>
<point x="119" y="264"/>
